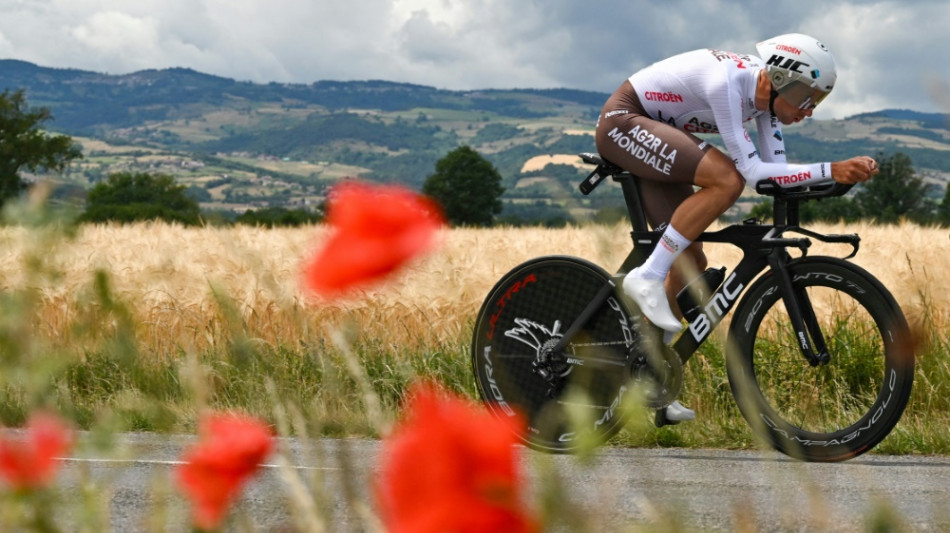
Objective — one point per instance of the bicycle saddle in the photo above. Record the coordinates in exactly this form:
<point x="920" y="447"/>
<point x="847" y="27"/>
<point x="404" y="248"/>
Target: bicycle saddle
<point x="596" y="159"/>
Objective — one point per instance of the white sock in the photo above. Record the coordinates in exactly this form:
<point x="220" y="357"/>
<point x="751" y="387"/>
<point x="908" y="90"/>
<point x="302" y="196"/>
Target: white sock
<point x="657" y="266"/>
<point x="668" y="336"/>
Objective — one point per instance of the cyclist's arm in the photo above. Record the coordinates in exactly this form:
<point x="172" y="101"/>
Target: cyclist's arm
<point x="772" y="150"/>
<point x="727" y="109"/>
<point x="771" y="139"/>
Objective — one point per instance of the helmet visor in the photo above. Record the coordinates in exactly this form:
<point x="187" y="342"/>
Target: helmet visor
<point x="802" y="96"/>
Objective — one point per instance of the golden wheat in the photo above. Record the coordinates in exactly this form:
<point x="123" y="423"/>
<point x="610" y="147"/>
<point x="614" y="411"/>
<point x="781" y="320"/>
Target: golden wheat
<point x="168" y="276"/>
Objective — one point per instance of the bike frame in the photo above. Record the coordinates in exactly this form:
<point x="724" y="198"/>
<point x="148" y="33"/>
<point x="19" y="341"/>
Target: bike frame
<point x="763" y="247"/>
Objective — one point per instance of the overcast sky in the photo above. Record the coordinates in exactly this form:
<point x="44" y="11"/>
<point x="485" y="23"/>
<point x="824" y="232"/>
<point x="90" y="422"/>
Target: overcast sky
<point x="889" y="54"/>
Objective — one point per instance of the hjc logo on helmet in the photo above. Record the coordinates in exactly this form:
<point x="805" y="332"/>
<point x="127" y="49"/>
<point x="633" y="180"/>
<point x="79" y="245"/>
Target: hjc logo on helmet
<point x="791" y="64"/>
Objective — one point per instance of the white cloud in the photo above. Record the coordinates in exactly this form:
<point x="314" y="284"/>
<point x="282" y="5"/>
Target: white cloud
<point x="888" y="52"/>
<point x="885" y="53"/>
<point x="6" y="47"/>
<point x="450" y="12"/>
<point x="112" y="35"/>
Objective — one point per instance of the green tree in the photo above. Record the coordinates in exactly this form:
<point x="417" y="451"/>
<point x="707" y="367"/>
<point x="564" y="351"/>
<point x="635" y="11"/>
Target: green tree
<point x="131" y="197"/>
<point x="943" y="211"/>
<point x="23" y="146"/>
<point x="467" y="186"/>
<point x="837" y="209"/>
<point x="270" y="217"/>
<point x="894" y="193"/>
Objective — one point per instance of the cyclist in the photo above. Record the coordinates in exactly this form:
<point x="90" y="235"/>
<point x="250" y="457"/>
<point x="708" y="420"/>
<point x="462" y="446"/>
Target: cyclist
<point x="649" y="125"/>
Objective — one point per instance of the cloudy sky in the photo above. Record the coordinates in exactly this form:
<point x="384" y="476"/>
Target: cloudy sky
<point x="890" y="54"/>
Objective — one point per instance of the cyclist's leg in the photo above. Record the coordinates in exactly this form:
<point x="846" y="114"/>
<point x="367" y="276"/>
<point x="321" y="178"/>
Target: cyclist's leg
<point x="659" y="202"/>
<point x="631" y="139"/>
<point x="665" y="156"/>
<point x="720" y="186"/>
<point x="628" y="137"/>
<point x="662" y="156"/>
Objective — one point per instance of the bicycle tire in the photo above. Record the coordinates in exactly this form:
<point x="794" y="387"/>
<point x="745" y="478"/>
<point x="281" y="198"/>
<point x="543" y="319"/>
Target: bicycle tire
<point x="529" y="309"/>
<point x="834" y="411"/>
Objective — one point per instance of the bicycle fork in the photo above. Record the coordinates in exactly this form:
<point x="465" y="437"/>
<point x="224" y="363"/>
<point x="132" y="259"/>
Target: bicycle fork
<point x="811" y="341"/>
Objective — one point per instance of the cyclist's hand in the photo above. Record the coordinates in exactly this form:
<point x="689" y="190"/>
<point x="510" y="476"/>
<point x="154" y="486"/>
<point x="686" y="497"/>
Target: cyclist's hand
<point x="854" y="170"/>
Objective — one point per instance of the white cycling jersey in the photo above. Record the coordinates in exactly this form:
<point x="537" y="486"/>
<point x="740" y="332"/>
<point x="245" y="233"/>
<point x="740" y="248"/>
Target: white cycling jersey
<point x="711" y="91"/>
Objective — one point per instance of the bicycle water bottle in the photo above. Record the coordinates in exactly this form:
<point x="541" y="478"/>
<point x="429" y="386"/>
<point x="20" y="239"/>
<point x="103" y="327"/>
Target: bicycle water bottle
<point x="695" y="294"/>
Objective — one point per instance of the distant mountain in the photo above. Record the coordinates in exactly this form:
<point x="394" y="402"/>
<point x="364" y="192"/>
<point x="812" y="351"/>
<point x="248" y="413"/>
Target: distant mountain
<point x="930" y="120"/>
<point x="86" y="102"/>
<point x="240" y="144"/>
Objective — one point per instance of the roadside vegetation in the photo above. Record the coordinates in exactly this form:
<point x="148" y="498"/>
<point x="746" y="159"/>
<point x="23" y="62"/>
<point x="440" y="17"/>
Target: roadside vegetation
<point x="115" y="324"/>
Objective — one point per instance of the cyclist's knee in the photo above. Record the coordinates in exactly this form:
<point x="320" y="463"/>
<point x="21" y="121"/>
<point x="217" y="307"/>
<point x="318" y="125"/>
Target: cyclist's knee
<point x="729" y="182"/>
<point x="729" y="187"/>
<point x="718" y="172"/>
<point x="737" y="184"/>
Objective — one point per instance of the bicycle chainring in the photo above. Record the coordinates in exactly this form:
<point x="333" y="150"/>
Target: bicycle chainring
<point x="659" y="370"/>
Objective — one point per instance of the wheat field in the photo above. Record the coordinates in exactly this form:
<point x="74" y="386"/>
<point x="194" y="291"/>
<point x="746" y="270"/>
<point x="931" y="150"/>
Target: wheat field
<point x="152" y="321"/>
<point x="172" y="279"/>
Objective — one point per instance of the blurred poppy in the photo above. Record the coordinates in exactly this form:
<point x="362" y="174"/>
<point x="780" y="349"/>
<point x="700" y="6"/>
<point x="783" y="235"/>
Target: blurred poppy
<point x="374" y="230"/>
<point x="29" y="461"/>
<point x="230" y="449"/>
<point x="449" y="466"/>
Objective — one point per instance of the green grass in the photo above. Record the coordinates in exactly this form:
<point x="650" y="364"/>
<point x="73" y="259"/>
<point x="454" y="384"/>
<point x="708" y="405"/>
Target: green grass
<point x="122" y="384"/>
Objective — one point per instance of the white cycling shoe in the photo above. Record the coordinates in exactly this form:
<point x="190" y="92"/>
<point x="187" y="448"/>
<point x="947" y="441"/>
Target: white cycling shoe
<point x="650" y="296"/>
<point x="677" y="412"/>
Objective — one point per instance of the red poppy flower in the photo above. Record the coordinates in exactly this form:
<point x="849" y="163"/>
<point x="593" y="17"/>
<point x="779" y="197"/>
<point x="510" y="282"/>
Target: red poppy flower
<point x="450" y="466"/>
<point x="29" y="461"/>
<point x="374" y="230"/>
<point x="230" y="449"/>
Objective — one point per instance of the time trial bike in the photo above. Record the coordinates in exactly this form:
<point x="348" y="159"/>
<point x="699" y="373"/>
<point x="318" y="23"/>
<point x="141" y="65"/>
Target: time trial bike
<point x="818" y="353"/>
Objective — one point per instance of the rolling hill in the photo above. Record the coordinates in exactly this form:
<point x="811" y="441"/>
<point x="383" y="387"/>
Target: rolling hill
<point x="240" y="145"/>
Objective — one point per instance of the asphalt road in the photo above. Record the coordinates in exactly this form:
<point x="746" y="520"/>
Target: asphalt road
<point x="708" y="490"/>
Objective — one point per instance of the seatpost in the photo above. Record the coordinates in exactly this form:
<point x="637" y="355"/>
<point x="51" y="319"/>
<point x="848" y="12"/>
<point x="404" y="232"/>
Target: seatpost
<point x="643" y="246"/>
<point x="631" y="195"/>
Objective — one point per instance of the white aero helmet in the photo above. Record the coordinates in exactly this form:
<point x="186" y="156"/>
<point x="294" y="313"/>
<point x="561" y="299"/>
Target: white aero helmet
<point x="801" y="68"/>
